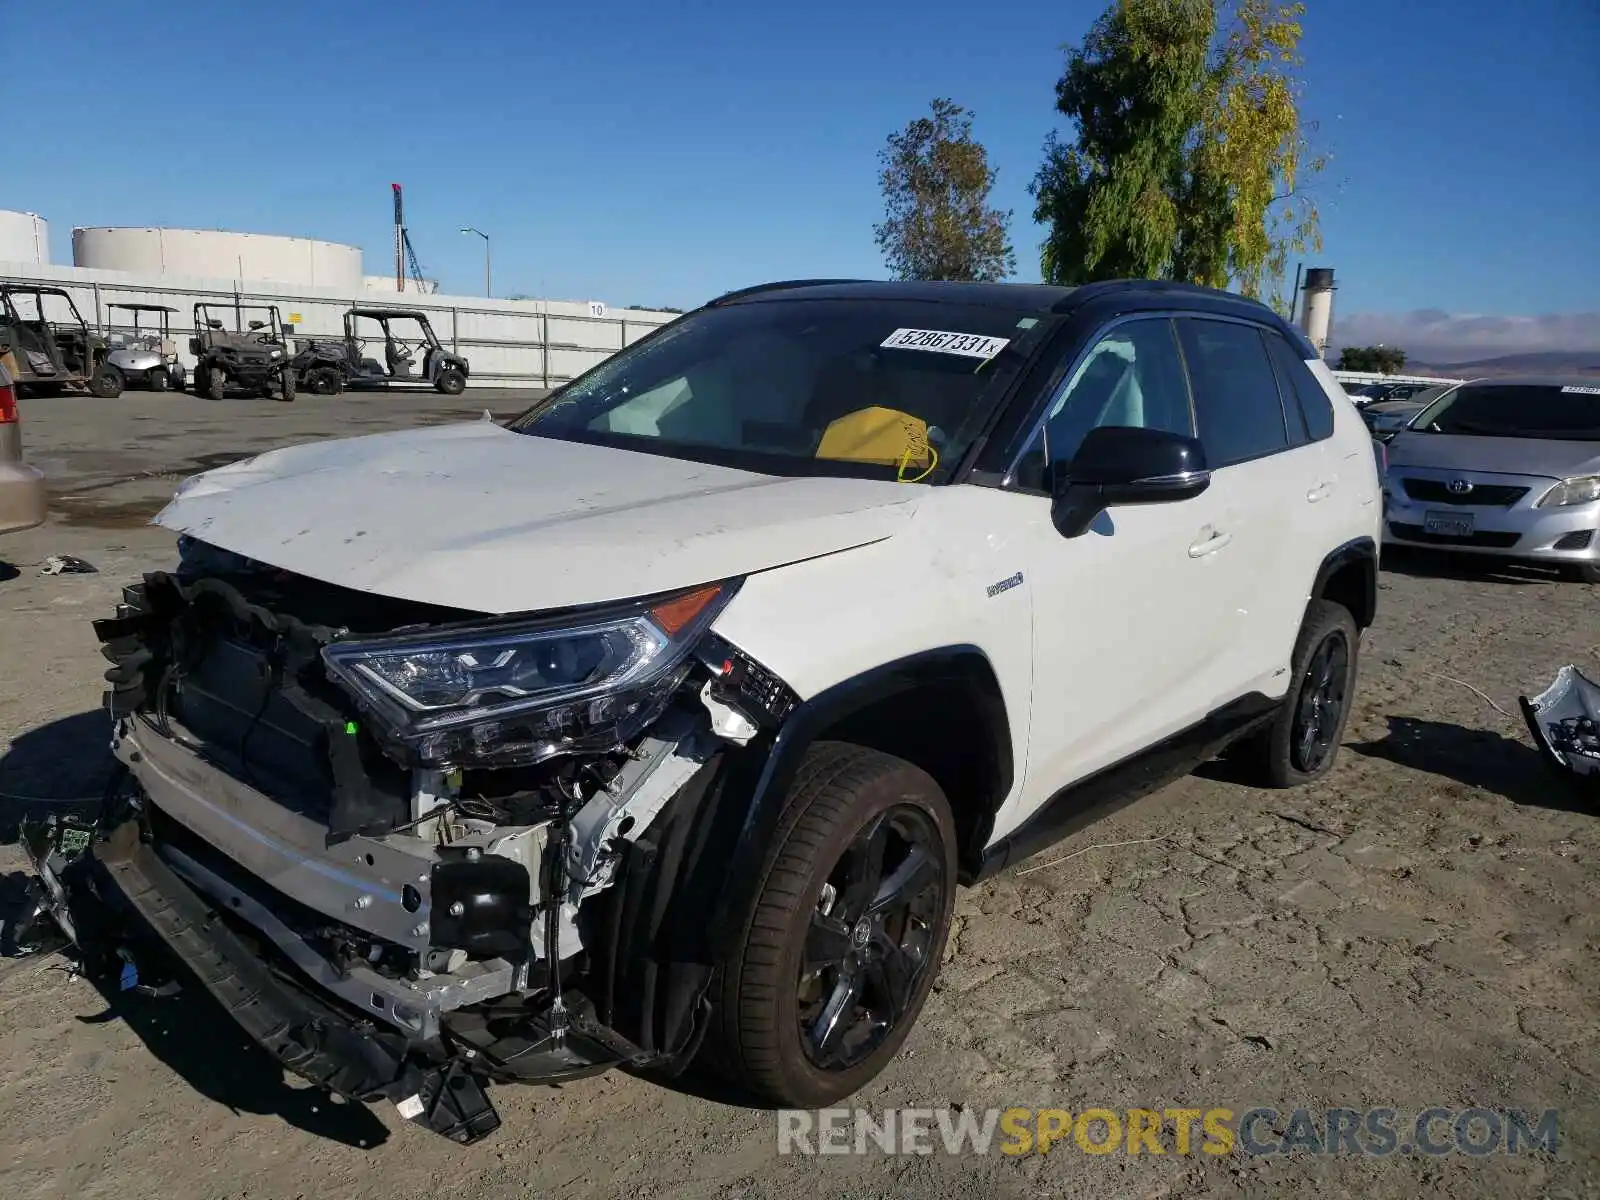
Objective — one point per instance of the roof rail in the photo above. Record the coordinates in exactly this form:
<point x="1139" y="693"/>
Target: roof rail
<point x="777" y="285"/>
<point x="1089" y="291"/>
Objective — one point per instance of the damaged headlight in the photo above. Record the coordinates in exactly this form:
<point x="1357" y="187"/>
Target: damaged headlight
<point x="513" y="691"/>
<point x="1584" y="489"/>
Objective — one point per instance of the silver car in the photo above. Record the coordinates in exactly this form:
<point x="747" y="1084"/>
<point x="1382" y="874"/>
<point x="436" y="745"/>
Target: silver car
<point x="22" y="496"/>
<point x="1504" y="467"/>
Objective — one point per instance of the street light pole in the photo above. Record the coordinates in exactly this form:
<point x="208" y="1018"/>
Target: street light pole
<point x="487" y="292"/>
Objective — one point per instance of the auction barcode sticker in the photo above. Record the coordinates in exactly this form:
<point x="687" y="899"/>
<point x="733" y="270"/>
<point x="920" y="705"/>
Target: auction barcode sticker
<point x="971" y="345"/>
<point x="1581" y="390"/>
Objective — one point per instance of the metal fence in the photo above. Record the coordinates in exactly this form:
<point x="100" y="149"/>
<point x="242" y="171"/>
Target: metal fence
<point x="508" y="343"/>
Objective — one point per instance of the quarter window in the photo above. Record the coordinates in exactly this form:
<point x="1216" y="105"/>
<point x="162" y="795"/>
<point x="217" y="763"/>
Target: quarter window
<point x="1301" y="390"/>
<point x="1131" y="376"/>
<point x="1235" y="393"/>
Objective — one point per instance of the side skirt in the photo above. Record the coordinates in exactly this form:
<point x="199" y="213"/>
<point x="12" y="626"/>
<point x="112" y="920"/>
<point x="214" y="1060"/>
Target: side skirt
<point x="1089" y="799"/>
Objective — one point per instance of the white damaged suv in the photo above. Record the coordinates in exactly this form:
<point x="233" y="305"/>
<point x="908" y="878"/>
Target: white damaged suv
<point x="662" y="722"/>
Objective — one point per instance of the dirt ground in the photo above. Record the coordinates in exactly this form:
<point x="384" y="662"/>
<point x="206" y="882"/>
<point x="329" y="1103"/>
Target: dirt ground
<point x="1421" y="928"/>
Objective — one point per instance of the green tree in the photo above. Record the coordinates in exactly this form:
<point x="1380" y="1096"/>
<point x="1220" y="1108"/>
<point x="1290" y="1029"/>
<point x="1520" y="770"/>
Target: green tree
<point x="1190" y="160"/>
<point x="937" y="221"/>
<point x="1387" y="359"/>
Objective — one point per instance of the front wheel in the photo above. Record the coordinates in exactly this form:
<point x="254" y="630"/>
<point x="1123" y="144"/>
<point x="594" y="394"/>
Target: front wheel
<point x="156" y="380"/>
<point x="106" y="382"/>
<point x="1303" y="740"/>
<point x="286" y="385"/>
<point x="216" y="383"/>
<point x="844" y="939"/>
<point x="450" y="381"/>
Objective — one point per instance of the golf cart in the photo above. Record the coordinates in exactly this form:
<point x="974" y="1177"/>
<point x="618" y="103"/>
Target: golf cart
<point x="148" y="357"/>
<point x="47" y="358"/>
<point x="253" y="356"/>
<point x="328" y="367"/>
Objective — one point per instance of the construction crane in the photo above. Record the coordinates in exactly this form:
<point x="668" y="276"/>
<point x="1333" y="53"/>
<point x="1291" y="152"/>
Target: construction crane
<point x="403" y="252"/>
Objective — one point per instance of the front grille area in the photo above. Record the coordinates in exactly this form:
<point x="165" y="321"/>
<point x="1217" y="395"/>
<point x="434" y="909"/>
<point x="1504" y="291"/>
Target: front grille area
<point x="1489" y="540"/>
<point x="1482" y="495"/>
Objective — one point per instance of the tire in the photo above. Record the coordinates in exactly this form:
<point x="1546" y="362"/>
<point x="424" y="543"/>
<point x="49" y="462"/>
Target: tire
<point x="286" y="385"/>
<point x="106" y="382"/>
<point x="450" y="381"/>
<point x="323" y="382"/>
<point x="1279" y="756"/>
<point x="156" y="380"/>
<point x="216" y="383"/>
<point x="767" y="1035"/>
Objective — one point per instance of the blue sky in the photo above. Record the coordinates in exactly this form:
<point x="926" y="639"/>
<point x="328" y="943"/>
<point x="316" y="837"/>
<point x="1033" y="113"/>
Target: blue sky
<point x="658" y="152"/>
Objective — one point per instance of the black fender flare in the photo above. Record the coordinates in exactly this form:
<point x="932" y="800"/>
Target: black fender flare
<point x="1357" y="550"/>
<point x="763" y="812"/>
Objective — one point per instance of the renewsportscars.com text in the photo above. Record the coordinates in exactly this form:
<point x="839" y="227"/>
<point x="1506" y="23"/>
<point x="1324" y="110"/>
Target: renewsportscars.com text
<point x="1215" y="1130"/>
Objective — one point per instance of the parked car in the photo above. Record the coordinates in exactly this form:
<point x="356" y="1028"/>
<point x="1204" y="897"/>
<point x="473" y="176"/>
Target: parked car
<point x="1502" y="467"/>
<point x="1366" y="394"/>
<point x="22" y="498"/>
<point x="661" y="723"/>
<point x="1385" y="418"/>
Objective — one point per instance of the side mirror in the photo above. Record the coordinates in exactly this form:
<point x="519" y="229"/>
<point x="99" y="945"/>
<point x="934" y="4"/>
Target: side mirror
<point x="258" y="324"/>
<point x="1121" y="464"/>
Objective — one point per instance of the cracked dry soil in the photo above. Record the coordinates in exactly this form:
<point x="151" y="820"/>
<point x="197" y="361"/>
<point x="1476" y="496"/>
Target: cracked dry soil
<point x="1418" y="929"/>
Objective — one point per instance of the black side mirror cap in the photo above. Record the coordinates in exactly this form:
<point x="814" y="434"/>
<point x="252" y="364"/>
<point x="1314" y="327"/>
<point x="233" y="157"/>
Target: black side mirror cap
<point x="1124" y="464"/>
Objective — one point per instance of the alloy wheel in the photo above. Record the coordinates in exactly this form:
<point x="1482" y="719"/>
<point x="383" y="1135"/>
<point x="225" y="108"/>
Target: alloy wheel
<point x="869" y="942"/>
<point x="1319" y="713"/>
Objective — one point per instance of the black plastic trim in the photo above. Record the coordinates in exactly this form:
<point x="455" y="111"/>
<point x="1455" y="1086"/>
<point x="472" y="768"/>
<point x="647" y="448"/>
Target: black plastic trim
<point x="770" y="792"/>
<point x="1098" y="795"/>
<point x="1354" y="551"/>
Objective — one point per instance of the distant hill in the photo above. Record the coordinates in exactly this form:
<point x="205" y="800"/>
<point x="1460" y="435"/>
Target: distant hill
<point x="1544" y="362"/>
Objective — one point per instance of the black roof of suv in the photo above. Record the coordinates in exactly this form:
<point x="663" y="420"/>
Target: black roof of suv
<point x="1105" y="298"/>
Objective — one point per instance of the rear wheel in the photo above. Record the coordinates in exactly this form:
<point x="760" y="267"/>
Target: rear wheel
<point x="450" y="381"/>
<point x="106" y="382"/>
<point x="216" y="383"/>
<point x="324" y="381"/>
<point x="1303" y="740"/>
<point x="844" y="940"/>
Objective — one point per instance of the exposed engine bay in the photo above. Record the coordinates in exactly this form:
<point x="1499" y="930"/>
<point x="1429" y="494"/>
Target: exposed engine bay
<point x="414" y="850"/>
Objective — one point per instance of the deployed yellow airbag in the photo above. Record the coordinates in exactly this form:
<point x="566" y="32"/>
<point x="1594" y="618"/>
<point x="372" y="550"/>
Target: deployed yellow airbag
<point x="878" y="435"/>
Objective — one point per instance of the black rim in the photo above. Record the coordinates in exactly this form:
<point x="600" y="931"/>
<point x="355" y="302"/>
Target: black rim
<point x="1321" y="708"/>
<point x="870" y="938"/>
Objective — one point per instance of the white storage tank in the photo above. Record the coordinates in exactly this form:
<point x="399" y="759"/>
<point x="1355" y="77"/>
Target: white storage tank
<point x="24" y="238"/>
<point x="219" y="254"/>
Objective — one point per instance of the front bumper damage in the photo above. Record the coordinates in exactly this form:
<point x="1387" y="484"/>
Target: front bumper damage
<point x="377" y="928"/>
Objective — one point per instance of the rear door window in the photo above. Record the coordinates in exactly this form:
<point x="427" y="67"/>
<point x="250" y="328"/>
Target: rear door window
<point x="1301" y="391"/>
<point x="1237" y="407"/>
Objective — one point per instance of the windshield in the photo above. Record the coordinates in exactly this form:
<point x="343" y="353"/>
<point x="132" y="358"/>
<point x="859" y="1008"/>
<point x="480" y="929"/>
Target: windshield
<point x="1553" y="412"/>
<point x="893" y="389"/>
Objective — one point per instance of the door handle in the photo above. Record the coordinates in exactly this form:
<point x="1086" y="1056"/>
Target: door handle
<point x="1321" y="492"/>
<point x="1209" y="544"/>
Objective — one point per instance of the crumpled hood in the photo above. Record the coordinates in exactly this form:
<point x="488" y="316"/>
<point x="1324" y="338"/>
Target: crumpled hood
<point x="476" y="517"/>
<point x="1508" y="456"/>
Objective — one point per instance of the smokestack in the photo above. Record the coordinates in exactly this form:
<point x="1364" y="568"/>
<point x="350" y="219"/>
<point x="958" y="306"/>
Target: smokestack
<point x="1316" y="309"/>
<point x="399" y="241"/>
